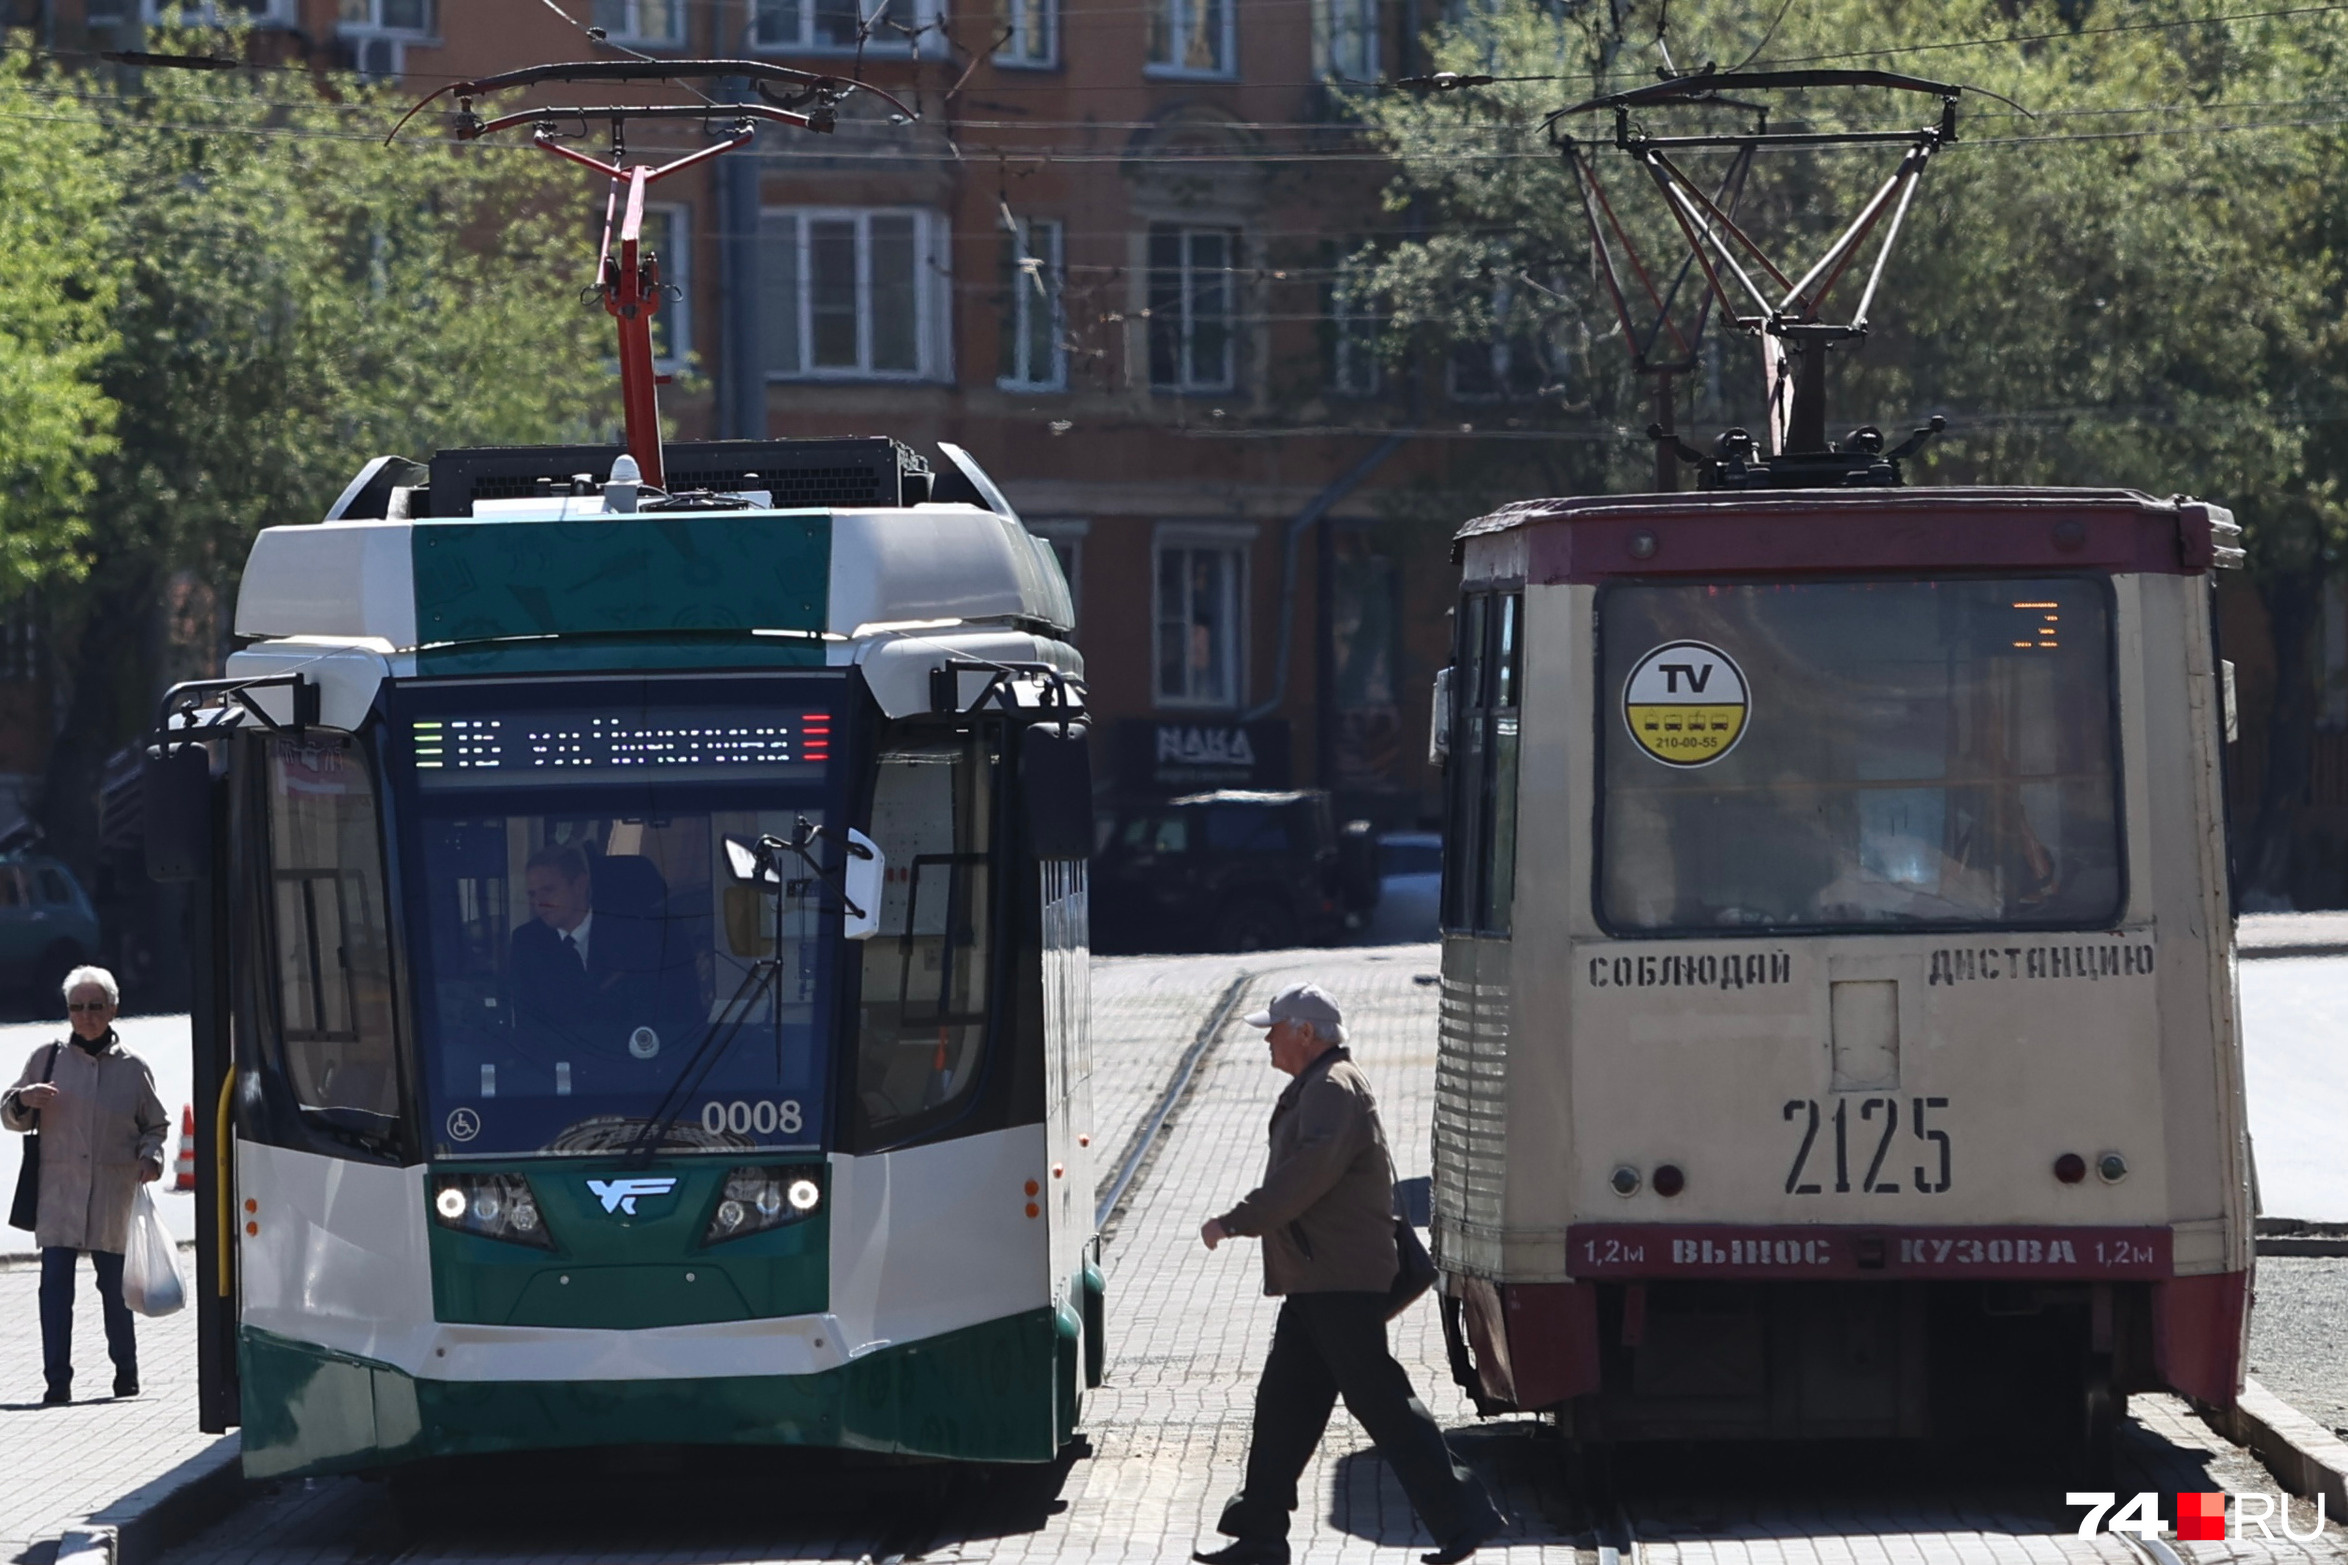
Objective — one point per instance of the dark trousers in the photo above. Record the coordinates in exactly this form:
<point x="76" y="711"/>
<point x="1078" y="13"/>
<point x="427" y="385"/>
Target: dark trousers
<point x="57" y="1315"/>
<point x="1329" y="1345"/>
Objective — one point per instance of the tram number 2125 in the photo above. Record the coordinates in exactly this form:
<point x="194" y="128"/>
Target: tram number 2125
<point x="1863" y="1130"/>
<point x="758" y="1117"/>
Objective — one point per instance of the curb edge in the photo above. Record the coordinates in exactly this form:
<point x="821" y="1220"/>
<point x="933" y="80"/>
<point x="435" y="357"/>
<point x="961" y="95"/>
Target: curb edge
<point x="2305" y="1457"/>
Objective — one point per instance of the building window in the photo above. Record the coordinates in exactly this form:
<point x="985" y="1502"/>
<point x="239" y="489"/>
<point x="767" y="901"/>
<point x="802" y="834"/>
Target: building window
<point x="1067" y="541"/>
<point x="1354" y="326"/>
<point x="1516" y="360"/>
<point x="1030" y="30"/>
<point x="1193" y="294"/>
<point x="1193" y="38"/>
<point x="1201" y="595"/>
<point x="1034" y="358"/>
<point x="216" y="13"/>
<point x="668" y="234"/>
<point x="641" y="21"/>
<point x="1345" y="39"/>
<point x="388" y="18"/>
<point x="854" y="294"/>
<point x="841" y="26"/>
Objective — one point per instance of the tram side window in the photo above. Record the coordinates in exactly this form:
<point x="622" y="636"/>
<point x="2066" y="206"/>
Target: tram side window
<point x="332" y="951"/>
<point x="1479" y="877"/>
<point x="922" y="1033"/>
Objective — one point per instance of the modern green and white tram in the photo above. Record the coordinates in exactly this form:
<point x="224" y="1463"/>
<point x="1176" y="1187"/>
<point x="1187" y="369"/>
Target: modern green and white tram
<point x="642" y="985"/>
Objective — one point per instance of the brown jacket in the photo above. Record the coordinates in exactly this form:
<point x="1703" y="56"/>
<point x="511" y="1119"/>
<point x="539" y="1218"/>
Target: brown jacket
<point x="1325" y="1210"/>
<point x="104" y="1125"/>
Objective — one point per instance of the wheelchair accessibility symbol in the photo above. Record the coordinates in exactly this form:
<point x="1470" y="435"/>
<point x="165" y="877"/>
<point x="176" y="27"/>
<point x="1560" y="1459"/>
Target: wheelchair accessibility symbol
<point x="463" y="1125"/>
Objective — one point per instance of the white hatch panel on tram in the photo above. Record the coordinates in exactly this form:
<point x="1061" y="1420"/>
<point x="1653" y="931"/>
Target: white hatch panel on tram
<point x="1686" y="703"/>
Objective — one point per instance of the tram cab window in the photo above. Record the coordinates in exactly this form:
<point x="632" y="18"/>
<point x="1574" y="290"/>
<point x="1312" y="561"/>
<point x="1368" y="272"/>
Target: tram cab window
<point x="581" y="959"/>
<point x="1904" y="754"/>
<point x="922" y="1033"/>
<point x="332" y="953"/>
<point x="1479" y="886"/>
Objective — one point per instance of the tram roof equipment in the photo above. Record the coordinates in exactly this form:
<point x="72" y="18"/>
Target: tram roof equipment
<point x="1783" y="312"/>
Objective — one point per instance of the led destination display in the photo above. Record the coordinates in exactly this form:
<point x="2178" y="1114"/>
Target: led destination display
<point x="687" y="744"/>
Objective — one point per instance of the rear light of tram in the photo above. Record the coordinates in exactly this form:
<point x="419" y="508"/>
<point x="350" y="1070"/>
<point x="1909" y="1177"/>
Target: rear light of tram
<point x="758" y="1199"/>
<point x="495" y="1206"/>
<point x="2070" y="1168"/>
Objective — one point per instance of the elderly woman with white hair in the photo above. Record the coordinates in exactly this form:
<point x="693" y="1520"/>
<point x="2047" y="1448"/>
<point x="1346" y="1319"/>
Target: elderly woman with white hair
<point x="102" y="1130"/>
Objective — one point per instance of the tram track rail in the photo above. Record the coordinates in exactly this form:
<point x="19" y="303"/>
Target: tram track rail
<point x="1137" y="1155"/>
<point x="1618" y="1542"/>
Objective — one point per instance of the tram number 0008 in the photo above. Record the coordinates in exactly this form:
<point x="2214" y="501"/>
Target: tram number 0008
<point x="744" y="1117"/>
<point x="1866" y="1137"/>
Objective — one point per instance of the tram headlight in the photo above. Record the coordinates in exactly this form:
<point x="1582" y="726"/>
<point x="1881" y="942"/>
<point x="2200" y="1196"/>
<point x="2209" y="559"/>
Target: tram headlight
<point x="494" y="1206"/>
<point x="758" y="1199"/>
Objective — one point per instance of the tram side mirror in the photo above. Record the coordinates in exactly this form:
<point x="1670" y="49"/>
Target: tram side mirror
<point x="175" y="801"/>
<point x="1055" y="783"/>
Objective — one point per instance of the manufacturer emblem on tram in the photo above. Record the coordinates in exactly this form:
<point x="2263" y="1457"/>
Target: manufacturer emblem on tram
<point x="1685" y="703"/>
<point x="619" y="1195"/>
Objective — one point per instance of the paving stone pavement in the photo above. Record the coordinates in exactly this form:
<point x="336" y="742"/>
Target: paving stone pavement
<point x="61" y="1465"/>
<point x="1168" y="1433"/>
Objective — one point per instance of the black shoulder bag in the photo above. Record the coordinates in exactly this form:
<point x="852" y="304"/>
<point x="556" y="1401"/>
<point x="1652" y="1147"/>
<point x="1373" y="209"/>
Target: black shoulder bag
<point x="25" y="1211"/>
<point x="1414" y="1268"/>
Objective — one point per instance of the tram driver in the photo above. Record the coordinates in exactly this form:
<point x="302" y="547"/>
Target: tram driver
<point x="594" y="1001"/>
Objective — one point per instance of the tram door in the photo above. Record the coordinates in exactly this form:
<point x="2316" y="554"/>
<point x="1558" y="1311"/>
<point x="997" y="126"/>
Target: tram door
<point x="183" y="819"/>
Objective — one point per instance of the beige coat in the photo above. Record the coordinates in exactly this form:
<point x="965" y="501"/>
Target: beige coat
<point x="1325" y="1210"/>
<point x="104" y="1125"/>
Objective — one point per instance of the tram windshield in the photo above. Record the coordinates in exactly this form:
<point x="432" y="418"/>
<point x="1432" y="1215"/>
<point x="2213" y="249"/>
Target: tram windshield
<point x="1858" y="755"/>
<point x="585" y="959"/>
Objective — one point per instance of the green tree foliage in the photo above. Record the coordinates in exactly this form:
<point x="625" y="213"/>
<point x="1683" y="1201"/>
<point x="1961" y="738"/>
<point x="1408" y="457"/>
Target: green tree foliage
<point x="57" y="292"/>
<point x="293" y="298"/>
<point x="2137" y="282"/>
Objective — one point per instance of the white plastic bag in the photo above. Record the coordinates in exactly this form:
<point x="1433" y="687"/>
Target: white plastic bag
<point x="150" y="1263"/>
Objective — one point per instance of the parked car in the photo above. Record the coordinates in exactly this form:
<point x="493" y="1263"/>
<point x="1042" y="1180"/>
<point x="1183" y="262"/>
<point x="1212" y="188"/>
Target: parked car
<point x="1230" y="871"/>
<point x="47" y="923"/>
<point x="1410" y="888"/>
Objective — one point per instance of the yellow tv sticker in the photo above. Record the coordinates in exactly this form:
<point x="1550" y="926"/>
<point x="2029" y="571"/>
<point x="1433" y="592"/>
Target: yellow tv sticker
<point x="1686" y="703"/>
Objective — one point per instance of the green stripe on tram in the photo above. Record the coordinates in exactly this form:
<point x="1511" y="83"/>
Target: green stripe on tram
<point x="650" y="575"/>
<point x="1000" y="1391"/>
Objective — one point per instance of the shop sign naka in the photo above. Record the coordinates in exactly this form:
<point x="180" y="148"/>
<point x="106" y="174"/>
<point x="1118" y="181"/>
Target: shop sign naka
<point x="1189" y="755"/>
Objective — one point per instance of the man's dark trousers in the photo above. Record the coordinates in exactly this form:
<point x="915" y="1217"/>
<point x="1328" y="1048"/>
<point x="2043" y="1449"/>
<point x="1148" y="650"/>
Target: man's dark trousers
<point x="57" y="1315"/>
<point x="1329" y="1345"/>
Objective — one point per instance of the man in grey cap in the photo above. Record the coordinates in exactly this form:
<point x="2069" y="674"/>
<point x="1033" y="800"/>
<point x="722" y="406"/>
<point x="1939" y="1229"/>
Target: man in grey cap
<point x="1325" y="1212"/>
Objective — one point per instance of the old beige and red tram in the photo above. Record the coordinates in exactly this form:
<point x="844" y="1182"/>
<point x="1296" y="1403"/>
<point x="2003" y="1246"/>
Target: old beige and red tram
<point x="1838" y="1032"/>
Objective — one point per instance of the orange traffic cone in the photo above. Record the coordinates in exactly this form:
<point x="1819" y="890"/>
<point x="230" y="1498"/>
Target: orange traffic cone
<point x="183" y="1175"/>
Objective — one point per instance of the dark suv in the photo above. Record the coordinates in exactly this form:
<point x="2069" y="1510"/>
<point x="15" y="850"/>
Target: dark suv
<point x="1230" y="871"/>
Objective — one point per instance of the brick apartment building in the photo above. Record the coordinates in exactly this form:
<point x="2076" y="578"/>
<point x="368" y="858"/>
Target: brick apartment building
<point x="1108" y="260"/>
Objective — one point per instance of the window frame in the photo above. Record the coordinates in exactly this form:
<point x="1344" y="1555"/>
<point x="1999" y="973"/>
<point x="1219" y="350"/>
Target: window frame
<point x="373" y="25"/>
<point x="883" y="44"/>
<point x="1329" y="18"/>
<point x="209" y="13"/>
<point x="1020" y="301"/>
<point x="1066" y="536"/>
<point x="932" y="294"/>
<point x="1502" y="346"/>
<point x="1349" y="343"/>
<point x="634" y="35"/>
<point x="1605" y="676"/>
<point x="1012" y="55"/>
<point x="1185" y="271"/>
<point x="676" y="268"/>
<point x="1177" y="13"/>
<point x="1236" y="549"/>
